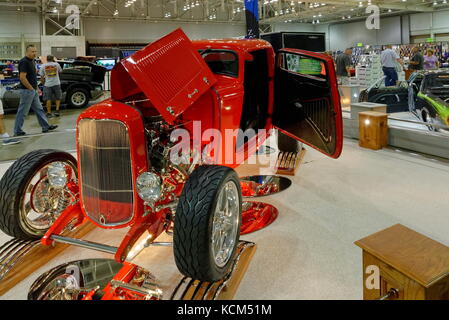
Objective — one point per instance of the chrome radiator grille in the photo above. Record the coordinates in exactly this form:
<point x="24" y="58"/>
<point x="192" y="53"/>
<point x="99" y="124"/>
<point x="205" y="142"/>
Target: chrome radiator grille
<point x="106" y="175"/>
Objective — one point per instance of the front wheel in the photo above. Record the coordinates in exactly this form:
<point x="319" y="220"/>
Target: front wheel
<point x="34" y="192"/>
<point x="207" y="223"/>
<point x="428" y="117"/>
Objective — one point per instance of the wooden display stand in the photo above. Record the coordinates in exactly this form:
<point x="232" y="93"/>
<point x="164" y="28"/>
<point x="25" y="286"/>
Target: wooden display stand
<point x="288" y="162"/>
<point x="406" y="265"/>
<point x="225" y="289"/>
<point x="373" y="130"/>
<point x="36" y="258"/>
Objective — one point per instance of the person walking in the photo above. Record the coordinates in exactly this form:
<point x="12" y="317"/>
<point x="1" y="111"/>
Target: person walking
<point x="52" y="84"/>
<point x="389" y="59"/>
<point x="343" y="62"/>
<point x="431" y="61"/>
<point x="29" y="96"/>
<point x="417" y="61"/>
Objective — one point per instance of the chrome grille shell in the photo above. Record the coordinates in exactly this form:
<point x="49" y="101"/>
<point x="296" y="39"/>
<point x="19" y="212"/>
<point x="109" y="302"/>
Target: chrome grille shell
<point x="106" y="177"/>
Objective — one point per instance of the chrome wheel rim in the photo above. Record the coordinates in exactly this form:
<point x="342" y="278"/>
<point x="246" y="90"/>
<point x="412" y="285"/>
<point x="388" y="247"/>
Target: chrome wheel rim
<point x="78" y="98"/>
<point x="225" y="224"/>
<point x="428" y="118"/>
<point x="41" y="203"/>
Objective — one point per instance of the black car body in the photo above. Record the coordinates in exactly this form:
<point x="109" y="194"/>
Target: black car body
<point x="396" y="98"/>
<point x="81" y="82"/>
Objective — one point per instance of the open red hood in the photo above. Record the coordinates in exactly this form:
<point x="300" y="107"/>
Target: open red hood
<point x="170" y="72"/>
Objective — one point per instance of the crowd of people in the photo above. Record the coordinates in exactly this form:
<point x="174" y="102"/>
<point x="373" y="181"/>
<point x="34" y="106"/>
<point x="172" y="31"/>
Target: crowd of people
<point x="29" y="94"/>
<point x="391" y="64"/>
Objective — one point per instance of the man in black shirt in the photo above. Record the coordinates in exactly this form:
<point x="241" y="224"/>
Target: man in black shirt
<point x="343" y="63"/>
<point x="417" y="61"/>
<point x="29" y="96"/>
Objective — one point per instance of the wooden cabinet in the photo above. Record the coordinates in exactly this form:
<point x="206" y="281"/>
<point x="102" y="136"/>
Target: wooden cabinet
<point x="406" y="264"/>
<point x="373" y="130"/>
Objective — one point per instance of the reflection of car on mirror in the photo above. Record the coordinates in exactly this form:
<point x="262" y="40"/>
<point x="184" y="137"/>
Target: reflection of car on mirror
<point x="81" y="82"/>
<point x="429" y="97"/>
<point x="126" y="176"/>
<point x="396" y="98"/>
<point x="425" y="94"/>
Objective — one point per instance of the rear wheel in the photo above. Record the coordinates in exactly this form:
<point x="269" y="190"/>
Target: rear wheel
<point x="207" y="223"/>
<point x="78" y="98"/>
<point x="30" y="196"/>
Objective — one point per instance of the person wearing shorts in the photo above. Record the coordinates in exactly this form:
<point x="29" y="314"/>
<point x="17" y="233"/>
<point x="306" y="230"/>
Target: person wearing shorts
<point x="52" y="85"/>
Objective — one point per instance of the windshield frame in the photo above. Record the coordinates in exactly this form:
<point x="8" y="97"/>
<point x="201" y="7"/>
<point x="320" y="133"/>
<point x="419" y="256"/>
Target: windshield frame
<point x="429" y="79"/>
<point x="203" y="52"/>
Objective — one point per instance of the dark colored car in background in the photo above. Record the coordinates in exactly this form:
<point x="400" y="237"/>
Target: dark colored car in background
<point x="396" y="98"/>
<point x="81" y="82"/>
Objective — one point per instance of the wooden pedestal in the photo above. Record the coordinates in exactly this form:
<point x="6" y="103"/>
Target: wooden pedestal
<point x="288" y="162"/>
<point x="398" y="258"/>
<point x="38" y="257"/>
<point x="373" y="130"/>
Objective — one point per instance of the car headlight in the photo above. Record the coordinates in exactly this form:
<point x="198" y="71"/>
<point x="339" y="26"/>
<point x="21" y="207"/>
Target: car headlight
<point x="57" y="174"/>
<point x="149" y="187"/>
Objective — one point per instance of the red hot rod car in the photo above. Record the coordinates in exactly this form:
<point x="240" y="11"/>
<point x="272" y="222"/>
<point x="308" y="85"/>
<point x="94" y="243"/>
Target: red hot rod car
<point x="123" y="175"/>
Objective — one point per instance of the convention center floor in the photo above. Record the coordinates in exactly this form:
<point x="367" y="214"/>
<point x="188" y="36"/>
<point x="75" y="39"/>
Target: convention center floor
<point x="308" y="252"/>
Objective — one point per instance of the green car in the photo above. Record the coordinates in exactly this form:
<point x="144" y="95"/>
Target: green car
<point x="429" y="97"/>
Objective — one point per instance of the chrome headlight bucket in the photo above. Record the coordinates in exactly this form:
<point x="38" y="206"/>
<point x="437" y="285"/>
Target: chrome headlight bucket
<point x="57" y="174"/>
<point x="149" y="187"/>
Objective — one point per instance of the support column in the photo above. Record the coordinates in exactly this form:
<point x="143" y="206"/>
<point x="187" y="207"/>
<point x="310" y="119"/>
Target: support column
<point x="22" y="45"/>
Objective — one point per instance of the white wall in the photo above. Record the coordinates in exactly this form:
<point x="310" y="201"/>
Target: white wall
<point x="429" y="23"/>
<point x="47" y="42"/>
<point x="393" y="30"/>
<point x="13" y="25"/>
<point x="102" y="31"/>
<point x="344" y="35"/>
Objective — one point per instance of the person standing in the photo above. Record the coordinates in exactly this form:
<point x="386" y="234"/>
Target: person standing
<point x="344" y="63"/>
<point x="431" y="61"/>
<point x="417" y="61"/>
<point x="52" y="85"/>
<point x="389" y="59"/>
<point x="29" y="96"/>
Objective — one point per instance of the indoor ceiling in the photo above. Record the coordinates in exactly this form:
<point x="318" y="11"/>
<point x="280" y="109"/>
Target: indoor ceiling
<point x="271" y="11"/>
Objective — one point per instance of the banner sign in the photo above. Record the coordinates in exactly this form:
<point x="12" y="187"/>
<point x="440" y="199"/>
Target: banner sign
<point x="252" y="19"/>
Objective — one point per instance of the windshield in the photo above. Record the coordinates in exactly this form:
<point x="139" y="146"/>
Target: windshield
<point x="438" y="81"/>
<point x="221" y="61"/>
